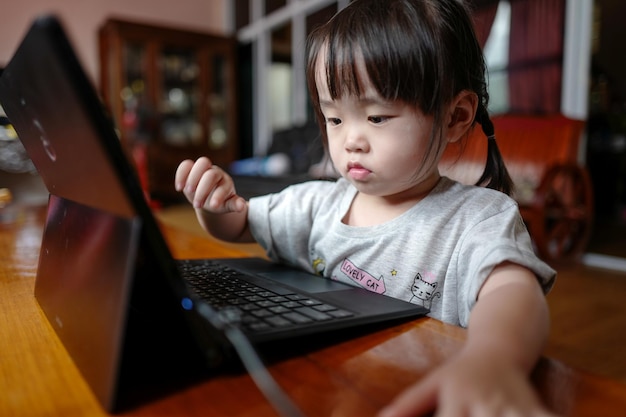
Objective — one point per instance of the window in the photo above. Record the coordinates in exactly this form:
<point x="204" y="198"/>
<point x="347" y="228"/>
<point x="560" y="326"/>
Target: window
<point x="274" y="32"/>
<point x="496" y="52"/>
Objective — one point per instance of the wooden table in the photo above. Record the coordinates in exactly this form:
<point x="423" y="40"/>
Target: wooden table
<point x="350" y="377"/>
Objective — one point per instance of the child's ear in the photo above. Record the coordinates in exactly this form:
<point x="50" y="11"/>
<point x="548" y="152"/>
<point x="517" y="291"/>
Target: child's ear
<point x="461" y="116"/>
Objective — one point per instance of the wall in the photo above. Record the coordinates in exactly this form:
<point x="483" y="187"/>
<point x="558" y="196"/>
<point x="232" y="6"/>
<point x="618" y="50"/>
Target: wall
<point x="82" y="18"/>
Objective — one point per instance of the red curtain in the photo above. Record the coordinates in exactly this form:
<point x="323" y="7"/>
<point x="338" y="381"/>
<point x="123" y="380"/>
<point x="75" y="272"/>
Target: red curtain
<point x="536" y="56"/>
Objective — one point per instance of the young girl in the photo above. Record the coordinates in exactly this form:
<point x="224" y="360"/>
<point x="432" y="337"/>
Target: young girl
<point x="393" y="82"/>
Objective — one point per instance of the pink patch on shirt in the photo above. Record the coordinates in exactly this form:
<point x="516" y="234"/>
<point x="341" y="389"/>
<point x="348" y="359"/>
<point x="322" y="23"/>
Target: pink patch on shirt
<point x="362" y="278"/>
<point x="430" y="277"/>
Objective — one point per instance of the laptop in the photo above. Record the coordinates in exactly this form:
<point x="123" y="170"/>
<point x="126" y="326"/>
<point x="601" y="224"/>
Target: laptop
<point x="106" y="280"/>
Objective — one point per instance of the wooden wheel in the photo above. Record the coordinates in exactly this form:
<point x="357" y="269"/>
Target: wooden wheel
<point x="564" y="206"/>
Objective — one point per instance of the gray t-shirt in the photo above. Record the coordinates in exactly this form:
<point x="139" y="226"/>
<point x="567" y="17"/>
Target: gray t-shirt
<point x="437" y="254"/>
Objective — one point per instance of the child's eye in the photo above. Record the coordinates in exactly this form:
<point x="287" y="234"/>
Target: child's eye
<point x="333" y="121"/>
<point x="378" y="119"/>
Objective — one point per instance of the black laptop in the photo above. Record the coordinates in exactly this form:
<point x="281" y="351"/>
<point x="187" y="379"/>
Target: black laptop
<point x="106" y="280"/>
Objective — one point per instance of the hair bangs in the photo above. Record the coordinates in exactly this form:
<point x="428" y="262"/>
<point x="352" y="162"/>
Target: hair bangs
<point x="372" y="43"/>
<point x="341" y="64"/>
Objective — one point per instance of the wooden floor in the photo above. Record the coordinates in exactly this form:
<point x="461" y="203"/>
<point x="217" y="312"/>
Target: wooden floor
<point x="588" y="312"/>
<point x="587" y="305"/>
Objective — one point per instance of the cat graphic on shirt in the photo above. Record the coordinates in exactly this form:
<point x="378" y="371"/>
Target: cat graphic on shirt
<point x="424" y="291"/>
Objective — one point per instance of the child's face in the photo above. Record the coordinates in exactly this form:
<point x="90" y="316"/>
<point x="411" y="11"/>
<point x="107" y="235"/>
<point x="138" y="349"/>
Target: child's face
<point x="377" y="145"/>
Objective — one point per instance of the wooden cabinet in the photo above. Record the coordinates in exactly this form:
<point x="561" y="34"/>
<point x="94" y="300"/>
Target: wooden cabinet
<point x="172" y="95"/>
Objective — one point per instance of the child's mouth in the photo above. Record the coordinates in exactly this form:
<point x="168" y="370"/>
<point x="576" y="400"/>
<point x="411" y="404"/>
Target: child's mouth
<point x="357" y="172"/>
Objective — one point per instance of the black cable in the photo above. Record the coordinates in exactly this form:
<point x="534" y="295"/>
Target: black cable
<point x="227" y="321"/>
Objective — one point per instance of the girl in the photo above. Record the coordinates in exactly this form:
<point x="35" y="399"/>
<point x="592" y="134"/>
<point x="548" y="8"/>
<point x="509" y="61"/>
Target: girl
<point x="392" y="83"/>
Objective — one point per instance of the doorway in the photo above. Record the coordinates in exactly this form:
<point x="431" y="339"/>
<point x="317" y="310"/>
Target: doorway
<point x="606" y="129"/>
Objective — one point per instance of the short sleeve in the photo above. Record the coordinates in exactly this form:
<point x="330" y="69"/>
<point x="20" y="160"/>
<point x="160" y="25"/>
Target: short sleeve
<point x="499" y="237"/>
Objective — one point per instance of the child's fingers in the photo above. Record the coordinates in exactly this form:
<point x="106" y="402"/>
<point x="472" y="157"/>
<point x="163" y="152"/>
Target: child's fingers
<point x="200" y="167"/>
<point x="236" y="203"/>
<point x="182" y="172"/>
<point x="215" y="191"/>
<point x="189" y="172"/>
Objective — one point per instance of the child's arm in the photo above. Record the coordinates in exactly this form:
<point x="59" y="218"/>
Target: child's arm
<point x="490" y="375"/>
<point x="211" y="191"/>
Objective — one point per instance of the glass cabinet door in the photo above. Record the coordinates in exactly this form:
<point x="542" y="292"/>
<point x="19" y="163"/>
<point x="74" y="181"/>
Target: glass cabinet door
<point x="218" y="100"/>
<point x="180" y="96"/>
<point x="137" y="121"/>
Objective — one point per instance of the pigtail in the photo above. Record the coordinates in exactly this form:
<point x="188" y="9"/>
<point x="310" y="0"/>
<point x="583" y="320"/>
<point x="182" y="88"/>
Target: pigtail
<point x="495" y="175"/>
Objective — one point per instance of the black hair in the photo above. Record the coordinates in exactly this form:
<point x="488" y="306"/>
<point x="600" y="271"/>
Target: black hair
<point x="422" y="52"/>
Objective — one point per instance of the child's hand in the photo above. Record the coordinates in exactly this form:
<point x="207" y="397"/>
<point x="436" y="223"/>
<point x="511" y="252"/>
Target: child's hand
<point x="207" y="186"/>
<point x="470" y="386"/>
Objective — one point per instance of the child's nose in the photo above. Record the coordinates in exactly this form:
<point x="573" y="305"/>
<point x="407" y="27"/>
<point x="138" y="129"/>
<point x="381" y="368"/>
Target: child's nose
<point x="356" y="139"/>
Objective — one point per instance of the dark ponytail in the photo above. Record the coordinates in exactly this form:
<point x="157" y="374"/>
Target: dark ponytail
<point x="495" y="175"/>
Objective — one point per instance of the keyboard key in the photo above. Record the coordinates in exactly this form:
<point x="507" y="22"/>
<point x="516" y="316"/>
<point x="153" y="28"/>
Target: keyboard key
<point x="258" y="326"/>
<point x="314" y="314"/>
<point x="279" y="309"/>
<point x="278" y="299"/>
<point x="297" y="317"/>
<point x="248" y="306"/>
<point x="278" y="321"/>
<point x="291" y="304"/>
<point x="340" y="313"/>
<point x="266" y="303"/>
<point x="296" y="297"/>
<point x="262" y="313"/>
<point x="310" y="302"/>
<point x="324" y="307"/>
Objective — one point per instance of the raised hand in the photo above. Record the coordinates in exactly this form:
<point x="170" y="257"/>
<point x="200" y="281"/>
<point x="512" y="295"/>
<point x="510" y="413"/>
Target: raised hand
<point x="207" y="186"/>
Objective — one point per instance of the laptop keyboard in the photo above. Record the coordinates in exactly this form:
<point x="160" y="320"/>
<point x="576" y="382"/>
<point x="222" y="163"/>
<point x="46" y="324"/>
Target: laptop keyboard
<point x="261" y="307"/>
